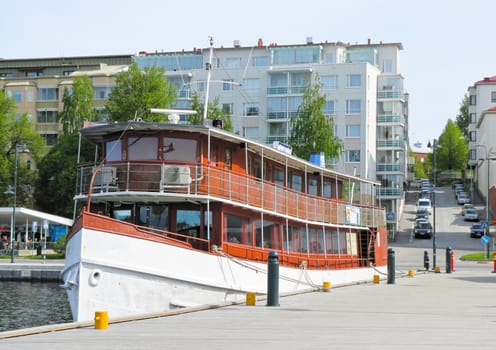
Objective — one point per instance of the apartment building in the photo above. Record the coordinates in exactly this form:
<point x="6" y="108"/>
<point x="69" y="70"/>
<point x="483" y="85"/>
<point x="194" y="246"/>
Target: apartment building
<point x="262" y="85"/>
<point x="482" y="144"/>
<point x="37" y="85"/>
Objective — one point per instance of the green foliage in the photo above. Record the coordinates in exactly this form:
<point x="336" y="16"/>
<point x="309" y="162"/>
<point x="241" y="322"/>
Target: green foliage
<point x="137" y="91"/>
<point x="311" y="130"/>
<point x="59" y="246"/>
<point x="77" y="105"/>
<point x="452" y="151"/>
<point x="463" y="118"/>
<point x="213" y="112"/>
<point x="56" y="181"/>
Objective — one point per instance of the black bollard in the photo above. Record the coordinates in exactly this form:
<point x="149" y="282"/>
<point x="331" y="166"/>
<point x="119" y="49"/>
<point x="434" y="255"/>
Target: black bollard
<point x="448" y="260"/>
<point x="391" y="267"/>
<point x="273" y="280"/>
<point x="426" y="260"/>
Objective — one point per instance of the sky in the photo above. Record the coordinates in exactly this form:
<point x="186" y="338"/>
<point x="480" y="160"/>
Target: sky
<point x="448" y="44"/>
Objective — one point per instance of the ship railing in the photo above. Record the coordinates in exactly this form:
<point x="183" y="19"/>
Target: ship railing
<point x="216" y="182"/>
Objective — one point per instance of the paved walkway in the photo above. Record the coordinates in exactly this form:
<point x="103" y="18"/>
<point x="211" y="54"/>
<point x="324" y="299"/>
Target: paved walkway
<point x="427" y="311"/>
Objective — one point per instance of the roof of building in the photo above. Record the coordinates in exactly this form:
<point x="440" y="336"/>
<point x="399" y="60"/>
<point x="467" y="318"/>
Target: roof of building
<point x="487" y="80"/>
<point x="25" y="216"/>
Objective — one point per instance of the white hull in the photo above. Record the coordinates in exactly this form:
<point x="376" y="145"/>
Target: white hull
<point x="128" y="276"/>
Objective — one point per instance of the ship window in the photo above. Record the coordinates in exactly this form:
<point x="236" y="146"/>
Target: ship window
<point x="188" y="222"/>
<point x="140" y="148"/>
<point x="297" y="239"/>
<point x="327" y="189"/>
<point x="316" y="239"/>
<point x="228" y="158"/>
<point x="122" y="214"/>
<point x="267" y="236"/>
<point x="113" y="150"/>
<point x="313" y="186"/>
<point x="154" y="216"/>
<point x="179" y="149"/>
<point x="296" y="182"/>
<point x="238" y="229"/>
<point x="279" y="176"/>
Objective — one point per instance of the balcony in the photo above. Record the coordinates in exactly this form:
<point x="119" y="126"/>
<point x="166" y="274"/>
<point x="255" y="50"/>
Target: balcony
<point x="389" y="192"/>
<point x="390" y="94"/>
<point x="390" y="144"/>
<point x="297" y="90"/>
<point x="390" y="119"/>
<point x="389" y="167"/>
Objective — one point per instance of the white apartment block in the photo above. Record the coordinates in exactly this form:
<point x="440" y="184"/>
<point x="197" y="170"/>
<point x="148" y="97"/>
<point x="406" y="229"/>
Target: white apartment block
<point x="261" y="86"/>
<point x="482" y="144"/>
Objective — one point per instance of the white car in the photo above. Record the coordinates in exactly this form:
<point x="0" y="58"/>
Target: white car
<point x="424" y="204"/>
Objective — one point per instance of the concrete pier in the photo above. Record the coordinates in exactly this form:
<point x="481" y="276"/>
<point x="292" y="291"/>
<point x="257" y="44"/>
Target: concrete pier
<point x="31" y="270"/>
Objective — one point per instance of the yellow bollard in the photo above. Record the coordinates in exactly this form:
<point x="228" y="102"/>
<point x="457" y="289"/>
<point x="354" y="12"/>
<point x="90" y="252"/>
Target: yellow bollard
<point x="411" y="273"/>
<point x="251" y="299"/>
<point x="326" y="286"/>
<point x="101" y="320"/>
<point x="438" y="269"/>
<point x="377" y="279"/>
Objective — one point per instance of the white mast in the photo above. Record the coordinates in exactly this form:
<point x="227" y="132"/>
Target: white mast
<point x="208" y="67"/>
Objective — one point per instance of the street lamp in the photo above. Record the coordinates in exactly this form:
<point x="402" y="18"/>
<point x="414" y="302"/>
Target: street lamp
<point x="434" y="149"/>
<point x="22" y="149"/>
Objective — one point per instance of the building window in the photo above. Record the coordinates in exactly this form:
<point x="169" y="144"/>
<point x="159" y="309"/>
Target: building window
<point x="50" y="139"/>
<point x="493" y="96"/>
<point x="329" y="58"/>
<point x="353" y="130"/>
<point x="329" y="82"/>
<point x="251" y="109"/>
<point x="261" y="61"/>
<point x="352" y="106"/>
<point x="473" y="100"/>
<point x="251" y="85"/>
<point x="101" y="92"/>
<point x="473" y="154"/>
<point x="32" y="74"/>
<point x="16" y="95"/>
<point x="227" y="85"/>
<point x="473" y="118"/>
<point x="473" y="136"/>
<point x="353" y="80"/>
<point x="387" y="66"/>
<point x="250" y="133"/>
<point x="329" y="108"/>
<point x="46" y="116"/>
<point x="48" y="94"/>
<point x="353" y="156"/>
<point x="227" y="108"/>
<point x="233" y="62"/>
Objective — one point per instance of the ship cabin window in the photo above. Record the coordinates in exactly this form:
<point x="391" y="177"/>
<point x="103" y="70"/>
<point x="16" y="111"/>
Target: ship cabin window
<point x="327" y="189"/>
<point x="297" y="239"/>
<point x="188" y="222"/>
<point x="122" y="214"/>
<point x="156" y="216"/>
<point x="267" y="172"/>
<point x="113" y="150"/>
<point x="214" y="150"/>
<point x="313" y="186"/>
<point x="238" y="229"/>
<point x="316" y="241"/>
<point x="228" y="158"/>
<point x="296" y="183"/>
<point x="142" y="148"/>
<point x="176" y="149"/>
<point x="257" y="169"/>
<point x="267" y="235"/>
<point x="279" y="176"/>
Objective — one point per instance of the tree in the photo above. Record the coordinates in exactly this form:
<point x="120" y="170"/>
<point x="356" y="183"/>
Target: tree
<point x="137" y="91"/>
<point x="311" y="130"/>
<point x="463" y="117"/>
<point x="452" y="150"/>
<point x="77" y="105"/>
<point x="213" y="112"/>
<point x="56" y="180"/>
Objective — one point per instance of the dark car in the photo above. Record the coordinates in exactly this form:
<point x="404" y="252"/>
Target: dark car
<point x="477" y="230"/>
<point x="423" y="229"/>
<point x="422" y="214"/>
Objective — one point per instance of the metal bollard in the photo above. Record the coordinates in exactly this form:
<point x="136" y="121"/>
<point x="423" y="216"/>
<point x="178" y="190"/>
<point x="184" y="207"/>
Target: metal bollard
<point x="273" y="280"/>
<point x="426" y="260"/>
<point x="448" y="259"/>
<point x="391" y="267"/>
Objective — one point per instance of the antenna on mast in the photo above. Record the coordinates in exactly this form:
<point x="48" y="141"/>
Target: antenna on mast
<point x="208" y="68"/>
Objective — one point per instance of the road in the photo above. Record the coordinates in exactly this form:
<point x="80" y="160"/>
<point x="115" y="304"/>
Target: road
<point x="451" y="231"/>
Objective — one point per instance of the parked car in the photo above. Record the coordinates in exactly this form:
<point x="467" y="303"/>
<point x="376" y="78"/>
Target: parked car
<point x="472" y="215"/>
<point x="467" y="206"/>
<point x="424" y="203"/>
<point x="463" y="198"/>
<point x="423" y="229"/>
<point x="477" y="230"/>
<point x="422" y="214"/>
